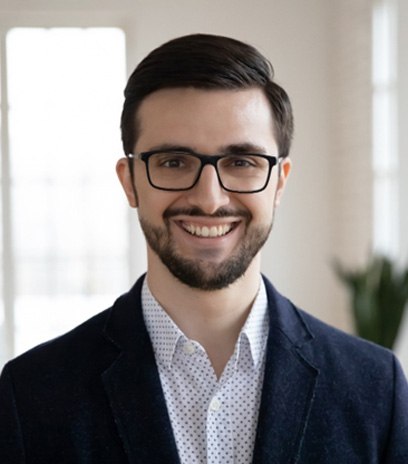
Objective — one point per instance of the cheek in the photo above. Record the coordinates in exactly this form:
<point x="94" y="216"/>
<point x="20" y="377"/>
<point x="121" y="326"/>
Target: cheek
<point x="261" y="208"/>
<point x="149" y="197"/>
<point x="153" y="203"/>
<point x="150" y="206"/>
<point x="262" y="204"/>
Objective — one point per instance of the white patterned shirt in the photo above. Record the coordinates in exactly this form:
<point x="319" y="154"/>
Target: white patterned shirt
<point x="214" y="420"/>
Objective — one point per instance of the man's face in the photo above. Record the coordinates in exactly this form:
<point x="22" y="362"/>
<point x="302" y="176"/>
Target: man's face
<point x="206" y="236"/>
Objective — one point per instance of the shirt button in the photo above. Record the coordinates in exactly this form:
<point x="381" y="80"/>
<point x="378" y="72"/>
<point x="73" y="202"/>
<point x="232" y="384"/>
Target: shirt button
<point x="215" y="404"/>
<point x="189" y="348"/>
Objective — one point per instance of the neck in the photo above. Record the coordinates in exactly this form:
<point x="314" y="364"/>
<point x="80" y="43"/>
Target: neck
<point x="213" y="318"/>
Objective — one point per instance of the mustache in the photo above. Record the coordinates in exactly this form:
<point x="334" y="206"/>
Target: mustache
<point x="196" y="211"/>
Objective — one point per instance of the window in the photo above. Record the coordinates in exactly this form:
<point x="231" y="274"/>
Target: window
<point x="64" y="216"/>
<point x="385" y="150"/>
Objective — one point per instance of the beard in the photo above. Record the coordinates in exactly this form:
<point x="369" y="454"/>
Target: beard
<point x="201" y="273"/>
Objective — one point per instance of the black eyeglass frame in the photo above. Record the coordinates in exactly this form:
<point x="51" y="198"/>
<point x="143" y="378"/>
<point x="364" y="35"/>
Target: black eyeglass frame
<point x="204" y="159"/>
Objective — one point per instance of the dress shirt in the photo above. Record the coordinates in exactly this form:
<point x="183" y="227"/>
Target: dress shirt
<point x="213" y="420"/>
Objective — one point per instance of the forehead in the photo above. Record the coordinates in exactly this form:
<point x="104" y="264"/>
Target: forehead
<point x="205" y="120"/>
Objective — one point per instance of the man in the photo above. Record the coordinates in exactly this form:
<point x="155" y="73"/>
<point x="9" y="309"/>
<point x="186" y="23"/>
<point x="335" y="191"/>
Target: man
<point x="203" y="360"/>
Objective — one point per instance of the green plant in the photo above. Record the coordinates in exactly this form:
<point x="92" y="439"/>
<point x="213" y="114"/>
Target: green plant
<point x="379" y="295"/>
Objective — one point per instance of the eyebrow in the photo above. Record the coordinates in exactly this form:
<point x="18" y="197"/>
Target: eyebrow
<point x="242" y="149"/>
<point x="235" y="148"/>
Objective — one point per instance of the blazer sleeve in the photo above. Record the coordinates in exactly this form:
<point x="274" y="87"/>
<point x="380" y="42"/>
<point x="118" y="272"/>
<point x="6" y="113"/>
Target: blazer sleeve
<point x="11" y="443"/>
<point x="397" y="449"/>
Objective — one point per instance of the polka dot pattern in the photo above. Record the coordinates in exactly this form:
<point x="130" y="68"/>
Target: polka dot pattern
<point x="213" y="420"/>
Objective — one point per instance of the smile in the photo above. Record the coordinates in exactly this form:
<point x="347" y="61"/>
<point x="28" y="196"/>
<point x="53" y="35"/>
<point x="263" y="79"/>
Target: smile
<point x="208" y="231"/>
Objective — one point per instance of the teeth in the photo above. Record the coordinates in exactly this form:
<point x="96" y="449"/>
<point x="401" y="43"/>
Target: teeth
<point x="213" y="231"/>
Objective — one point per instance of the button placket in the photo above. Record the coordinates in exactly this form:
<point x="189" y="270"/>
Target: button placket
<point x="220" y="444"/>
<point x="215" y="404"/>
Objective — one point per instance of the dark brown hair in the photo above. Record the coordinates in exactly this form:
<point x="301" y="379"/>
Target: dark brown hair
<point x="205" y="62"/>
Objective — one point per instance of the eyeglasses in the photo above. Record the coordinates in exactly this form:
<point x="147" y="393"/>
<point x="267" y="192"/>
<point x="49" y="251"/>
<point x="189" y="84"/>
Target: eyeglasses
<point x="176" y="170"/>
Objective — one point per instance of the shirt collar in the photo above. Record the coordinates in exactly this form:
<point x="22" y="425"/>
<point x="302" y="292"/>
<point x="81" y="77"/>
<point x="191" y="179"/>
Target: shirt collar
<point x="256" y="326"/>
<point x="165" y="334"/>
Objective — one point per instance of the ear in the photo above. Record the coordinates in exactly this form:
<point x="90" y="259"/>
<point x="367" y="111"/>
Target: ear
<point x="125" y="178"/>
<point x="284" y="170"/>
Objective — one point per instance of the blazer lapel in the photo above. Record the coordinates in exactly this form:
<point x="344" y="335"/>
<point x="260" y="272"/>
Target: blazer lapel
<point x="289" y="386"/>
<point x="132" y="384"/>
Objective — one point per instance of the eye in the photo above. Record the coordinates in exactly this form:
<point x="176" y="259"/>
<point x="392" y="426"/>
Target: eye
<point x="170" y="161"/>
<point x="240" y="161"/>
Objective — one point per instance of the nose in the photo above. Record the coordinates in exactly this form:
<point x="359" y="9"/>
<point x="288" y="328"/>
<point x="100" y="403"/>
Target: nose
<point x="208" y="194"/>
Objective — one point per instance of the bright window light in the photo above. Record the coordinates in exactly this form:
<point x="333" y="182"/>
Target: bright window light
<point x="385" y="151"/>
<point x="68" y="212"/>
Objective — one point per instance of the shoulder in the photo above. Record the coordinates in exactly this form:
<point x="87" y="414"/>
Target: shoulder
<point x="328" y="348"/>
<point x="75" y="348"/>
<point x="93" y="341"/>
<point x="346" y="352"/>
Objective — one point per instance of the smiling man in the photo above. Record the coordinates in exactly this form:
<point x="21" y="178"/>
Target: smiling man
<point x="203" y="361"/>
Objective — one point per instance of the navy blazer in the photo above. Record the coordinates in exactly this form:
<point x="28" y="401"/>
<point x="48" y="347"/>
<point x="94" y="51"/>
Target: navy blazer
<point x="94" y="396"/>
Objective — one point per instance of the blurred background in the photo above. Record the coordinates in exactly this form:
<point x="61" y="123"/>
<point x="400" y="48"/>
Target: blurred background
<point x="70" y="245"/>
